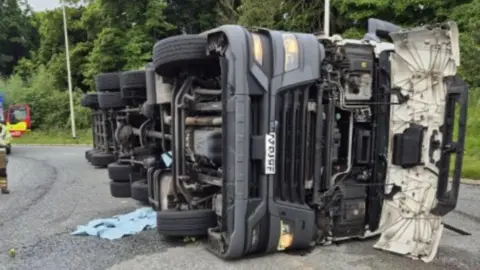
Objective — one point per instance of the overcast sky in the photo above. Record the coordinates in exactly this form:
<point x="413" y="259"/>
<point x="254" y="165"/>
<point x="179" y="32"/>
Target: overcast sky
<point x="38" y="5"/>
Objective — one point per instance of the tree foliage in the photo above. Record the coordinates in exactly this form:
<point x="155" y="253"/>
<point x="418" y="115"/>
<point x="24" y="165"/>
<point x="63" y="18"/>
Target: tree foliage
<point x="349" y="17"/>
<point x="111" y="35"/>
<point x="17" y="35"/>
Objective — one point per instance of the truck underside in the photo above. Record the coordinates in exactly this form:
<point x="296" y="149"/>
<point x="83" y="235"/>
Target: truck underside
<point x="268" y="140"/>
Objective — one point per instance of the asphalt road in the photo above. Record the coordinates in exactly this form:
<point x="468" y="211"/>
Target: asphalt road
<point x="53" y="189"/>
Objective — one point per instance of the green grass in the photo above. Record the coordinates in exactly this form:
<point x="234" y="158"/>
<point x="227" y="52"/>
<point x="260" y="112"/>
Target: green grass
<point x="60" y="137"/>
<point x="471" y="161"/>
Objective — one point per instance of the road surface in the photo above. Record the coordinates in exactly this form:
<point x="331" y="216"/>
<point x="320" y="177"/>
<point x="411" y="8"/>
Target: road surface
<point x="53" y="189"/>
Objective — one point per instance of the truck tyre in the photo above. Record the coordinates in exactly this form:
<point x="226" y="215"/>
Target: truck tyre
<point x="102" y="159"/>
<point x="173" y="54"/>
<point x="133" y="79"/>
<point x="119" y="172"/>
<point x="88" y="154"/>
<point x="185" y="223"/>
<point x="120" y="189"/>
<point x="90" y="100"/>
<point x="139" y="191"/>
<point x="107" y="82"/>
<point x="110" y="100"/>
<point x="133" y="87"/>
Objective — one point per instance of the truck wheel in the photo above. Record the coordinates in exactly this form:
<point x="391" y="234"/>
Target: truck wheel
<point x="185" y="223"/>
<point x="88" y="154"/>
<point x="139" y="191"/>
<point x="102" y="159"/>
<point x="133" y="87"/>
<point x="107" y="82"/>
<point x="174" y="54"/>
<point x="119" y="172"/>
<point x="110" y="100"/>
<point x="142" y="151"/>
<point x="90" y="100"/>
<point x="133" y="79"/>
<point x="120" y="189"/>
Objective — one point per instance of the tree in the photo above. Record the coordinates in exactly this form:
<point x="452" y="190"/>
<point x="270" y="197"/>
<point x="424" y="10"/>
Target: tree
<point x="467" y="17"/>
<point x="17" y="34"/>
<point x="192" y="16"/>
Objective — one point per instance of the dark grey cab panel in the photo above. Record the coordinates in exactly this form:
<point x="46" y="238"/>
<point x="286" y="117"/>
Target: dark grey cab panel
<point x="294" y="98"/>
<point x="243" y="227"/>
<point x="252" y="82"/>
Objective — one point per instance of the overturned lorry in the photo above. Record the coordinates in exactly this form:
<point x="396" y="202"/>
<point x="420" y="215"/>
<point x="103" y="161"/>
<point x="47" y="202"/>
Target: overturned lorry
<point x="267" y="140"/>
<point x="117" y="99"/>
<point x="103" y="104"/>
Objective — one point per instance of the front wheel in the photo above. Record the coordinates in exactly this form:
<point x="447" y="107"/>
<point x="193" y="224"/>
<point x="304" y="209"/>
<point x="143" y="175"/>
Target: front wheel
<point x="185" y="223"/>
<point x="9" y="149"/>
<point x="185" y="52"/>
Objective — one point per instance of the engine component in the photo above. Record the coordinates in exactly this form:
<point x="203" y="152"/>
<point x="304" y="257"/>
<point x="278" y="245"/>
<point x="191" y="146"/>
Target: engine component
<point x="164" y="91"/>
<point x="123" y="134"/>
<point x="362" y="146"/>
<point x="205" y="143"/>
<point x="349" y="218"/>
<point x="407" y="147"/>
<point x="357" y="64"/>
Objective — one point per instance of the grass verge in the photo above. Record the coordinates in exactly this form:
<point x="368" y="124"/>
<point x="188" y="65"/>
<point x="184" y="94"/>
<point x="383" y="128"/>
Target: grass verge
<point x="49" y="137"/>
<point x="471" y="158"/>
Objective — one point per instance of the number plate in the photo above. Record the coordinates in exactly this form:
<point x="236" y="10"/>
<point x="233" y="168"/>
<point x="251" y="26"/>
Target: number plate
<point x="270" y="152"/>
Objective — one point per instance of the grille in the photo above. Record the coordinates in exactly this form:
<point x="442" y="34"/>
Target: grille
<point x="295" y="116"/>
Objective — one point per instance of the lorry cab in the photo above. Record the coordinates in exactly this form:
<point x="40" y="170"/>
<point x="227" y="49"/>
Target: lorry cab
<point x="310" y="140"/>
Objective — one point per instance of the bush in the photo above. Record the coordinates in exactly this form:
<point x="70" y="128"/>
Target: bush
<point x="50" y="106"/>
<point x="472" y="147"/>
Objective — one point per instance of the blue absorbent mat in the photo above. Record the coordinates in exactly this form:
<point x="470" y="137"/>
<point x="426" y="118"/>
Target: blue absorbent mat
<point x="118" y="226"/>
<point x="167" y="158"/>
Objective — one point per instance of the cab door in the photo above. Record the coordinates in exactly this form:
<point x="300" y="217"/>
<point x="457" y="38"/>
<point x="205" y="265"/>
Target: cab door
<point x="426" y="93"/>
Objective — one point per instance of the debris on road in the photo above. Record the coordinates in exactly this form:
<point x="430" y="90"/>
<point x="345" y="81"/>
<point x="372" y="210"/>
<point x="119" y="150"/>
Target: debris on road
<point x="119" y="226"/>
<point x="12" y="252"/>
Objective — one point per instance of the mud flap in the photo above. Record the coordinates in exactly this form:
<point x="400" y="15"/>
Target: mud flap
<point x="423" y="67"/>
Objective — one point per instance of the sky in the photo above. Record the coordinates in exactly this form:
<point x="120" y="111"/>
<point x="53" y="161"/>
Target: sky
<point x="39" y="5"/>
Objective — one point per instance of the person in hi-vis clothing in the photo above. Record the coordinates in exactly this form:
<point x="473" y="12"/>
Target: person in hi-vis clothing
<point x="3" y="172"/>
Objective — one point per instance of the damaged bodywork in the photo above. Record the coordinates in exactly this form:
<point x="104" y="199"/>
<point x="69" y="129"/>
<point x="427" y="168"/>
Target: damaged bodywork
<point x="424" y="70"/>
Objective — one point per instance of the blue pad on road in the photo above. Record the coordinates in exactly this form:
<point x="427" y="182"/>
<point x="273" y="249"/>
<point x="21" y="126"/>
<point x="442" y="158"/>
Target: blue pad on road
<point x="121" y="225"/>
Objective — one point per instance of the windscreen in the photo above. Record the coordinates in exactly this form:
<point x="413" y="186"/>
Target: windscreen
<point x="17" y="114"/>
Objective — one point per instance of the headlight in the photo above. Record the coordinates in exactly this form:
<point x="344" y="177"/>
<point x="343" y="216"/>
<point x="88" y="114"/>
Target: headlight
<point x="290" y="46"/>
<point x="257" y="48"/>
